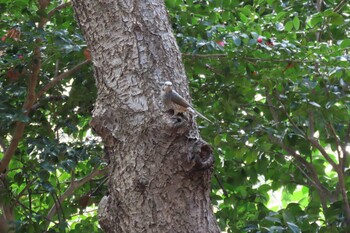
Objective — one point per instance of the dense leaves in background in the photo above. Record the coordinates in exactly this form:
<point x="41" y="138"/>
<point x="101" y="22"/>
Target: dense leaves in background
<point x="52" y="180"/>
<point x="273" y="74"/>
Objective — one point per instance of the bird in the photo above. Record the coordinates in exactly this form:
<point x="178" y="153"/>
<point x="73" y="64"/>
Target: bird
<point x="173" y="100"/>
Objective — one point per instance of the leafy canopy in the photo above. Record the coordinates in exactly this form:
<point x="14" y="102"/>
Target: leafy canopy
<point x="273" y="74"/>
<point x="52" y="180"/>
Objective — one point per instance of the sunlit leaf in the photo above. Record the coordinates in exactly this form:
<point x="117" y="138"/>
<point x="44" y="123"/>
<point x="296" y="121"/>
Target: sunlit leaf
<point x="296" y="23"/>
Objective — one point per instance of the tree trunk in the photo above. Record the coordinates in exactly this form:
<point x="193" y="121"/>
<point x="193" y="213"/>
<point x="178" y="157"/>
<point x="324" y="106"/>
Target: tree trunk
<point x="160" y="170"/>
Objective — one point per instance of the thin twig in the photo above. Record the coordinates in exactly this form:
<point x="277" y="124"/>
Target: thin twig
<point x="2" y="145"/>
<point x="57" y="206"/>
<point x="313" y="178"/>
<point x="313" y="183"/>
<point x="224" y="55"/>
<point x="337" y="141"/>
<point x="276" y="60"/>
<point x="98" y="186"/>
<point x="291" y="120"/>
<point x="60" y="7"/>
<point x="25" y="189"/>
<point x="57" y="67"/>
<point x="214" y="55"/>
<point x="216" y="71"/>
<point x="324" y="153"/>
<point x="221" y="185"/>
<point x="271" y="107"/>
<point x="340" y="5"/>
<point x="341" y="174"/>
<point x="60" y="77"/>
<point x="311" y="123"/>
<point x="311" y="127"/>
<point x="318" y="8"/>
<point x="48" y="98"/>
<point x="29" y="199"/>
<point x="346" y="205"/>
<point x="345" y="152"/>
<point x="73" y="186"/>
<point x="25" y="207"/>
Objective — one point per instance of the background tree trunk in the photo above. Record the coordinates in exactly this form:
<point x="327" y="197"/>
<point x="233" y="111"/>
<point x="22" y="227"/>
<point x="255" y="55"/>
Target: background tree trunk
<point x="159" y="179"/>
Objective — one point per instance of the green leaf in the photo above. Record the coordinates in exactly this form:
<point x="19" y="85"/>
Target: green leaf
<point x="252" y="42"/>
<point x="289" y="26"/>
<point x="316" y="19"/>
<point x="296" y="23"/>
<point x="294" y="228"/>
<point x="251" y="157"/>
<point x="280" y="15"/>
<point x="336" y="19"/>
<point x="345" y="44"/>
<point x="237" y="40"/>
<point x="273" y="219"/>
<point x="217" y="140"/>
<point x="243" y="18"/>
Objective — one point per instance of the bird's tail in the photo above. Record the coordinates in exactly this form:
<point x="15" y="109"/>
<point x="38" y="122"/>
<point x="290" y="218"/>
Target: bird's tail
<point x="195" y="112"/>
<point x="199" y="114"/>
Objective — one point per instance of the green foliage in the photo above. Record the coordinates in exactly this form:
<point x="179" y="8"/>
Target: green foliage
<point x="58" y="147"/>
<point x="276" y="78"/>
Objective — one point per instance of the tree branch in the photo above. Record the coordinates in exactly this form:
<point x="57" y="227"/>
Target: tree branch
<point x="276" y="60"/>
<point x="340" y="171"/>
<point x="48" y="98"/>
<point x="291" y="120"/>
<point x="24" y="189"/>
<point x="60" y="77"/>
<point x="340" y="5"/>
<point x="319" y="5"/>
<point x="221" y="185"/>
<point x="57" y="66"/>
<point x="75" y="184"/>
<point x="318" y="8"/>
<point x="337" y="142"/>
<point x="214" y="55"/>
<point x="313" y="178"/>
<point x="29" y="101"/>
<point x="51" y="13"/>
<point x="272" y="110"/>
<point x="225" y="55"/>
<point x="324" y="153"/>
<point x="345" y="152"/>
<point x="212" y="69"/>
<point x="60" y="7"/>
<point x="341" y="178"/>
<point x="346" y="205"/>
<point x="311" y="123"/>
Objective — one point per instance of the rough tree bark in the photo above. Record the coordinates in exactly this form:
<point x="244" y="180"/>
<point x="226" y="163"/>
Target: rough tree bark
<point x="160" y="170"/>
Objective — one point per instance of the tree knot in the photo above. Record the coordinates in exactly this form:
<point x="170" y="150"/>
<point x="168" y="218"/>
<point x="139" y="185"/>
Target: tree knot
<point x="202" y="155"/>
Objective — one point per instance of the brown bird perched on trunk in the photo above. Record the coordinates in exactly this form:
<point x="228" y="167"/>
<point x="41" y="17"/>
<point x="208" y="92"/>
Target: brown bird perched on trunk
<point x="172" y="100"/>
